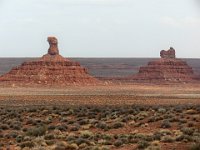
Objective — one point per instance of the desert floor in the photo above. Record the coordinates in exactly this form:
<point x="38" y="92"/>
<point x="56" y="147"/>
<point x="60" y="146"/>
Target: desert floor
<point x="102" y="95"/>
<point x="122" y="117"/>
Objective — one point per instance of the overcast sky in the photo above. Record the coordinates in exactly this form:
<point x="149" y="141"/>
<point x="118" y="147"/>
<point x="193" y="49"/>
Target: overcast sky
<point x="100" y="28"/>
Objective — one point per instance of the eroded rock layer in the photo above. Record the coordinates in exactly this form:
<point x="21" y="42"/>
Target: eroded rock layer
<point x="166" y="69"/>
<point x="51" y="69"/>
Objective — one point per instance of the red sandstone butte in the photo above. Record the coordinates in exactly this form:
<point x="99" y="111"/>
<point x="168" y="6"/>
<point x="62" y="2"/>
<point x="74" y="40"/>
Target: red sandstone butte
<point x="51" y="69"/>
<point x="166" y="69"/>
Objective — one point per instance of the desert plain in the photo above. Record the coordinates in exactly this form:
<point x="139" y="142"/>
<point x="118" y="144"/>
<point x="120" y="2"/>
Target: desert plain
<point x="114" y="116"/>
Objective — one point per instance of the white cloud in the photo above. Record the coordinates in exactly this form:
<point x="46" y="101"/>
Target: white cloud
<point x="170" y="21"/>
<point x="181" y="22"/>
<point x="192" y="21"/>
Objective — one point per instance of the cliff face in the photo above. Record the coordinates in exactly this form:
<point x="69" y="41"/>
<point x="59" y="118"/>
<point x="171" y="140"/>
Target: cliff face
<point x="51" y="69"/>
<point x="167" y="69"/>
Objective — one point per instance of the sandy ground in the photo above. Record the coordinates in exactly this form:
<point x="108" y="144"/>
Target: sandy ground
<point x="137" y="94"/>
<point x="102" y="95"/>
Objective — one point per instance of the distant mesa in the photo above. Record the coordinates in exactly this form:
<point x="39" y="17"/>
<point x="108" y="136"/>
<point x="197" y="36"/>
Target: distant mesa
<point x="167" y="69"/>
<point x="51" y="69"/>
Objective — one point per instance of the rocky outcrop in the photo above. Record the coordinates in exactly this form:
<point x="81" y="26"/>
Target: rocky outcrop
<point x="51" y="69"/>
<point x="53" y="52"/>
<point x="169" y="54"/>
<point x="166" y="69"/>
<point x="53" y="46"/>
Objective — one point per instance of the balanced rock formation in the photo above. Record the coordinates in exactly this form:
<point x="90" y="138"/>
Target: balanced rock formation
<point x="53" y="46"/>
<point x="51" y="69"/>
<point x="170" y="54"/>
<point x="53" y="52"/>
<point x="166" y="69"/>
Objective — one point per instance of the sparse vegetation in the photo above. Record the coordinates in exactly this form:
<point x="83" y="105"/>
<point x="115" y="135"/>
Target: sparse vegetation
<point x="99" y="127"/>
<point x="195" y="146"/>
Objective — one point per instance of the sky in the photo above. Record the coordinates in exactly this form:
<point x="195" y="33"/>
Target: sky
<point x="100" y="28"/>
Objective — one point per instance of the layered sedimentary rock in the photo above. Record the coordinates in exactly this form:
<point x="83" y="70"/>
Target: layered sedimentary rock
<point x="166" y="69"/>
<point x="51" y="69"/>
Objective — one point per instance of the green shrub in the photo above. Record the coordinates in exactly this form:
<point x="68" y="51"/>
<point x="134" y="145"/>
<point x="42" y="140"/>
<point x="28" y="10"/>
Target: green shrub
<point x="17" y="127"/>
<point x="32" y="110"/>
<point x="4" y="127"/>
<point x="37" y="131"/>
<point x="86" y="134"/>
<point x="118" y="143"/>
<point x="182" y="121"/>
<point x="19" y="139"/>
<point x="49" y="137"/>
<point x="24" y="129"/>
<point x="187" y="131"/>
<point x="74" y="128"/>
<point x="155" y="145"/>
<point x="13" y="134"/>
<point x="1" y="146"/>
<point x="71" y="138"/>
<point x="83" y="122"/>
<point x="80" y="141"/>
<point x="152" y="119"/>
<point x="117" y="125"/>
<point x="62" y="127"/>
<point x="102" y="125"/>
<point x="143" y="144"/>
<point x="165" y="124"/>
<point x="162" y="110"/>
<point x="180" y="138"/>
<point x="51" y="127"/>
<point x="195" y="146"/>
<point x="167" y="139"/>
<point x="50" y="142"/>
<point x="190" y="124"/>
<point x="28" y="144"/>
<point x="72" y="146"/>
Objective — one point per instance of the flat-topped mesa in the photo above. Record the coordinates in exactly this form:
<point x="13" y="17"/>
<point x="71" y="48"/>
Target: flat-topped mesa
<point x="167" y="69"/>
<point x="169" y="54"/>
<point x="51" y="69"/>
